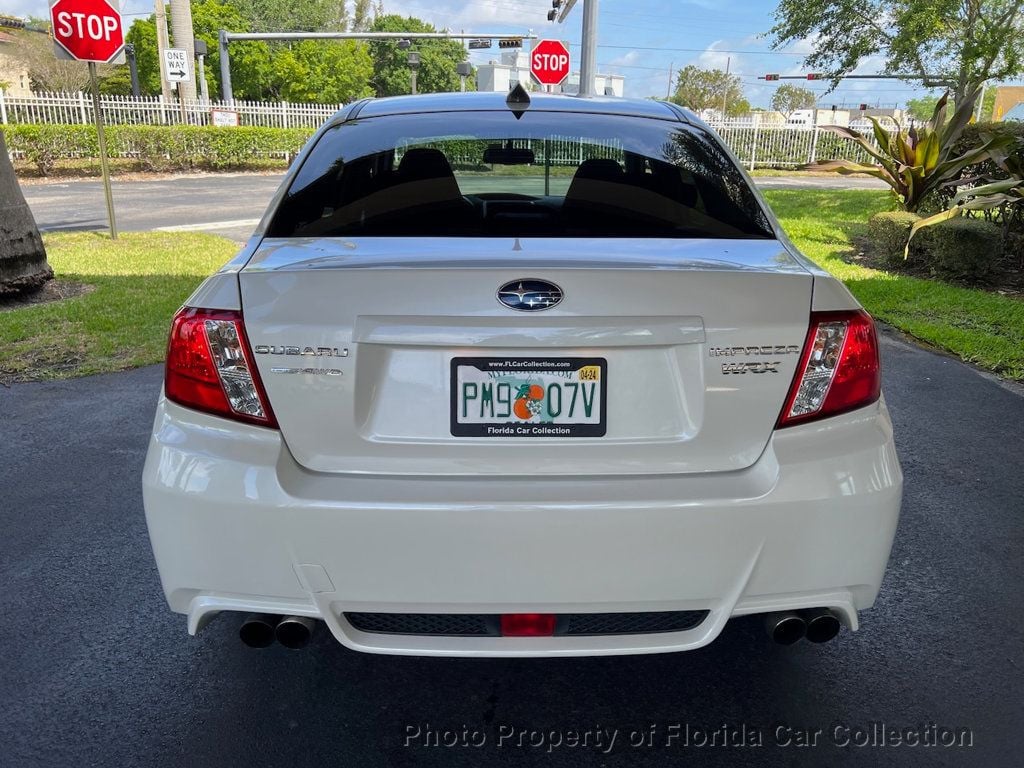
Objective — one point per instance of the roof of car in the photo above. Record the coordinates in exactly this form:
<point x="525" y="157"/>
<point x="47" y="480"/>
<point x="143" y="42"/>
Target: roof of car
<point x="542" y="102"/>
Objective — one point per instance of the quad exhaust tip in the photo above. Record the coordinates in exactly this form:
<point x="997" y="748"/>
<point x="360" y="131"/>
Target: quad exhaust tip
<point x="819" y="625"/>
<point x="257" y="630"/>
<point x="786" y="627"/>
<point x="260" y="630"/>
<point x="822" y="625"/>
<point x="294" y="631"/>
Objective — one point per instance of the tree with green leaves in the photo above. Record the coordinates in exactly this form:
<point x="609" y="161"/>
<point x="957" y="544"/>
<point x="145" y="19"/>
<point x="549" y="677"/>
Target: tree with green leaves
<point x="922" y="108"/>
<point x="961" y="43"/>
<point x="789" y="98"/>
<point x="438" y="59"/>
<point x="46" y="72"/>
<point x="699" y="89"/>
<point x="293" y="15"/>
<point x="333" y="71"/>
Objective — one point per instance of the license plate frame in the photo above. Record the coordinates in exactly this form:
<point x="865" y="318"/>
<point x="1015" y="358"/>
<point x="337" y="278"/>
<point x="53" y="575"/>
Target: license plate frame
<point x="514" y="427"/>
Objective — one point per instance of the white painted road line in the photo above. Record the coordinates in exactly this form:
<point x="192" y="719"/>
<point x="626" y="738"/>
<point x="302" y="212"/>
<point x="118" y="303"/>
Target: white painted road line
<point x="210" y="225"/>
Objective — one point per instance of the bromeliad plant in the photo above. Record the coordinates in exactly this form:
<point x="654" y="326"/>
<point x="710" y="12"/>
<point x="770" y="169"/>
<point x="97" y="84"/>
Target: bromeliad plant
<point x="992" y="193"/>
<point x="917" y="161"/>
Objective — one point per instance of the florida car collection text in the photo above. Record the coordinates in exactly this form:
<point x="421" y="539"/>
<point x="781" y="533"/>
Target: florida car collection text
<point x="605" y="739"/>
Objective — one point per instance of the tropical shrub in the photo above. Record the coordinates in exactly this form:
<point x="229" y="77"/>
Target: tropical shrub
<point x="917" y="161"/>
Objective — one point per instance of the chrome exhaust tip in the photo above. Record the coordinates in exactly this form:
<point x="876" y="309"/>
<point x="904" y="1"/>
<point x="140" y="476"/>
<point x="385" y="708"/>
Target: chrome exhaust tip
<point x="822" y="625"/>
<point x="294" y="631"/>
<point x="785" y="627"/>
<point x="257" y="630"/>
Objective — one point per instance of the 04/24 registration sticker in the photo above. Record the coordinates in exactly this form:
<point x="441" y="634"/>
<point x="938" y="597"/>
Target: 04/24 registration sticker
<point x="529" y="397"/>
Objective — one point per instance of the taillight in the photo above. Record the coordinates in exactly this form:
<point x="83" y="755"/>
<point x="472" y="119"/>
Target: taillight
<point x="209" y="367"/>
<point x="838" y="370"/>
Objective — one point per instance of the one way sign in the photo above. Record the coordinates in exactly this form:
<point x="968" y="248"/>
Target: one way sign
<point x="176" y="65"/>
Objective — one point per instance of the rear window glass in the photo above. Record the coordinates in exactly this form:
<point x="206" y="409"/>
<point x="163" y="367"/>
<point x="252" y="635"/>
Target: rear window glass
<point x="547" y="174"/>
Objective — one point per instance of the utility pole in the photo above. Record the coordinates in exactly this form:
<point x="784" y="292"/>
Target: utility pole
<point x="671" y="72"/>
<point x="588" y="53"/>
<point x="161" y="46"/>
<point x="725" y="89"/>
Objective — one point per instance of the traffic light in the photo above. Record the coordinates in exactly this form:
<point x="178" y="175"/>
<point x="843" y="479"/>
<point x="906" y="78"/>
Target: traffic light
<point x="510" y="42"/>
<point x="863" y="107"/>
<point x="771" y="77"/>
<point x="814" y="76"/>
<point x="9" y="22"/>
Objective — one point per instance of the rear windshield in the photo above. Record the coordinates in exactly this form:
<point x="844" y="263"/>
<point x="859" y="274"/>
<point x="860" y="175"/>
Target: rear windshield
<point x="546" y="174"/>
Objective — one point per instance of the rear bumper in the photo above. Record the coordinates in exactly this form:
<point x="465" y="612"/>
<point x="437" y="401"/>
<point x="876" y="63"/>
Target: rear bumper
<point x="236" y="524"/>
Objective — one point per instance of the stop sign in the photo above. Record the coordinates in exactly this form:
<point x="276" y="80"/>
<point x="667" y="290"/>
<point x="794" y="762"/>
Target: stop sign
<point x="549" y="62"/>
<point x="87" y="30"/>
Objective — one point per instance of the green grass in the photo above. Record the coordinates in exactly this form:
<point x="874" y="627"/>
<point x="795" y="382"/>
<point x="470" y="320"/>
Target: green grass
<point x="140" y="280"/>
<point x="977" y="326"/>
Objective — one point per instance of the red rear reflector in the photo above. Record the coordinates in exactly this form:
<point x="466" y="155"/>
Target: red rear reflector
<point x="527" y="624"/>
<point x="209" y="367"/>
<point x="838" y="370"/>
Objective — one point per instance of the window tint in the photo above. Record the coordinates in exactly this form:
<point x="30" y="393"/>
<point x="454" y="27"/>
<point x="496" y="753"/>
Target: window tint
<point x="547" y="174"/>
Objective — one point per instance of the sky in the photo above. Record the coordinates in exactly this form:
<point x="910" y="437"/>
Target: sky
<point x="644" y="40"/>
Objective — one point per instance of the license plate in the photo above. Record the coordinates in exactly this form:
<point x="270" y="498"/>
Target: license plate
<point x="529" y="397"/>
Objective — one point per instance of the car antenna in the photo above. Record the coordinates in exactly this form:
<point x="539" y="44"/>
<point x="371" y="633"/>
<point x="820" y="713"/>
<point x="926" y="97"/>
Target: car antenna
<point x="518" y="100"/>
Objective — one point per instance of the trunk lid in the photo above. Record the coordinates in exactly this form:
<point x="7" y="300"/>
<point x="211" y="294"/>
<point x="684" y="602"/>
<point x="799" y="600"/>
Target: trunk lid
<point x="695" y="343"/>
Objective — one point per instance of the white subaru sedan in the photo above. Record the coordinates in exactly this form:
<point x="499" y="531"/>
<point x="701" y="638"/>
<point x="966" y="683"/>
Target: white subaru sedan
<point x="526" y="376"/>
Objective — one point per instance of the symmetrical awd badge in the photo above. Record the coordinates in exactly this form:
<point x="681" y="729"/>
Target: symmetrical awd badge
<point x="529" y="295"/>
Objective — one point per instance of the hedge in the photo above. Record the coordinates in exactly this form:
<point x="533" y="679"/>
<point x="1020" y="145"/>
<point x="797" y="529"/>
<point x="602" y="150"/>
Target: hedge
<point x="961" y="249"/>
<point x="156" y="147"/>
<point x="888" y="233"/>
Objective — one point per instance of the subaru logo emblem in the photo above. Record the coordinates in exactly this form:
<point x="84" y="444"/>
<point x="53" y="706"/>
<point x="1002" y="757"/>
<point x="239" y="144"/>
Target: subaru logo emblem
<point x="529" y="295"/>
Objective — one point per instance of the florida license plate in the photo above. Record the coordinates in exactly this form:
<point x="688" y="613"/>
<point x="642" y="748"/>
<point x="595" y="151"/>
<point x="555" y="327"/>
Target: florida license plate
<point x="529" y="397"/>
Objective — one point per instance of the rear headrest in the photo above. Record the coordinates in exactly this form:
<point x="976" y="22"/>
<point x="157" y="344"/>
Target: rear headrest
<point x="424" y="163"/>
<point x="600" y="169"/>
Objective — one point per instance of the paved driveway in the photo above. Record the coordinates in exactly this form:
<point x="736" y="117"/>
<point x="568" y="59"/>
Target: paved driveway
<point x="96" y="671"/>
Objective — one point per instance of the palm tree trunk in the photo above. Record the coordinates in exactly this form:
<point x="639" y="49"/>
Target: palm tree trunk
<point x="23" y="265"/>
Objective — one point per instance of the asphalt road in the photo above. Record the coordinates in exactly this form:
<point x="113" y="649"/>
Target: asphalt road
<point x="231" y="204"/>
<point x="95" y="670"/>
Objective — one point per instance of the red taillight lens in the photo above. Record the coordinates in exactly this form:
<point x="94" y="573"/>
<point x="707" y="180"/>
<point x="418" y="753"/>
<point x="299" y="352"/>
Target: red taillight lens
<point x="838" y="370"/>
<point x="209" y="367"/>
<point x="527" y="624"/>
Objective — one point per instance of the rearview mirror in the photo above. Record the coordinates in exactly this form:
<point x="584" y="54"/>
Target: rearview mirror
<point x="496" y="154"/>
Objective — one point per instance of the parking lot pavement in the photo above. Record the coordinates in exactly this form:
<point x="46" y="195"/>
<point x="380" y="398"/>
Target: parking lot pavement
<point x="232" y="204"/>
<point x="96" y="671"/>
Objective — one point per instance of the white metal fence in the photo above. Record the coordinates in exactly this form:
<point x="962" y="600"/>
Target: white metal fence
<point x="771" y="145"/>
<point x="77" y="109"/>
<point x="757" y="144"/>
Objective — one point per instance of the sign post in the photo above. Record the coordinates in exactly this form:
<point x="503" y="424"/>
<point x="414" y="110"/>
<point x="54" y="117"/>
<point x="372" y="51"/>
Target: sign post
<point x="91" y="31"/>
<point x="549" y="62"/>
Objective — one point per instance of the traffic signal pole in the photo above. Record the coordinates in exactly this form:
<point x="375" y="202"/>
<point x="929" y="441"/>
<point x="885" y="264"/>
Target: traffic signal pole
<point x="588" y="52"/>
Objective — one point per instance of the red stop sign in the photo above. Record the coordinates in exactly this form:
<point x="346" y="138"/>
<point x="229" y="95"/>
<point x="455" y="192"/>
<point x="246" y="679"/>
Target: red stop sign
<point x="549" y="62"/>
<point x="89" y="30"/>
